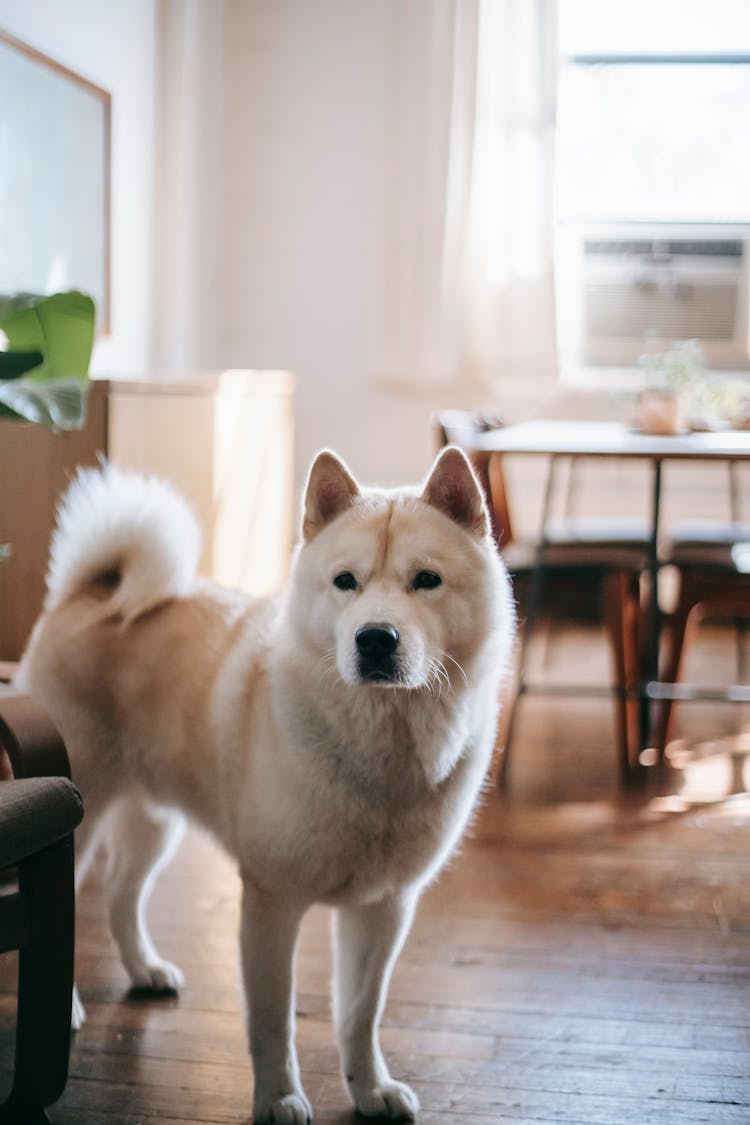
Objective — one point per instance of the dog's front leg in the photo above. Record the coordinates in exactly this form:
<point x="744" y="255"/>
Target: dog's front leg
<point x="270" y="923"/>
<point x="369" y="939"/>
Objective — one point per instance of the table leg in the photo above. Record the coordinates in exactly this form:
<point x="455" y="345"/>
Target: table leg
<point x="653" y="618"/>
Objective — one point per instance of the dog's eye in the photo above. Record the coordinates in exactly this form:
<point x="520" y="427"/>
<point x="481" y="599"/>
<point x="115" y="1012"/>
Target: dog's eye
<point x="345" y="581"/>
<point x="426" y="580"/>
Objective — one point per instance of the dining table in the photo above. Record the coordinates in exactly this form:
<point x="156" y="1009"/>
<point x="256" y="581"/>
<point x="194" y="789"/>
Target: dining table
<point x="561" y="439"/>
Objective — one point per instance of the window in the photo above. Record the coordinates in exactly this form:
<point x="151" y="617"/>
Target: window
<point x="652" y="180"/>
<point x="654" y="138"/>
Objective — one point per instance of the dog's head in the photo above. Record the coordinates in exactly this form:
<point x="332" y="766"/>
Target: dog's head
<point x="396" y="589"/>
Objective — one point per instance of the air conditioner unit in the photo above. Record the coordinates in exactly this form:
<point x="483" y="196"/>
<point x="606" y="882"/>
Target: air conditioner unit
<point x="623" y="289"/>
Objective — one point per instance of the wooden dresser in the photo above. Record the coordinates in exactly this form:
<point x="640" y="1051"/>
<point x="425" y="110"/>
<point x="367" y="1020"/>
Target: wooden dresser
<point x="225" y="439"/>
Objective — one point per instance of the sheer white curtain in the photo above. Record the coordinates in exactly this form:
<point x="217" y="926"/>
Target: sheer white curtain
<point x="468" y="275"/>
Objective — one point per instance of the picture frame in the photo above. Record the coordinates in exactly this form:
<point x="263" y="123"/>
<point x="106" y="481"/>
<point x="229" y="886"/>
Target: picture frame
<point x="55" y="140"/>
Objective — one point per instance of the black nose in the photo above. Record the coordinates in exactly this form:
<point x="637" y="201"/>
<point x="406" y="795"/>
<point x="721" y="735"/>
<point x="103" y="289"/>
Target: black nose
<point x="376" y="643"/>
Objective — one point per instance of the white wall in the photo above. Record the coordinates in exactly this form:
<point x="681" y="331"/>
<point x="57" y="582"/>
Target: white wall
<point x="271" y="237"/>
<point x="113" y="45"/>
<point x="305" y="150"/>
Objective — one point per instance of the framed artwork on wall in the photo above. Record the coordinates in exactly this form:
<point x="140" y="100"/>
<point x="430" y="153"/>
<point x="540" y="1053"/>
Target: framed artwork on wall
<point x="54" y="178"/>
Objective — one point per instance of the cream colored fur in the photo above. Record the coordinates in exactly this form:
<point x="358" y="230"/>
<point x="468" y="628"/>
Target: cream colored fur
<point x="332" y="771"/>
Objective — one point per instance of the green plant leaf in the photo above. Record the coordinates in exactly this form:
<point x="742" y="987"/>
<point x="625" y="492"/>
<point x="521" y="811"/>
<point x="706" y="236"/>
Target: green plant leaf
<point x="58" y="404"/>
<point x="60" y="326"/>
<point x="14" y="364"/>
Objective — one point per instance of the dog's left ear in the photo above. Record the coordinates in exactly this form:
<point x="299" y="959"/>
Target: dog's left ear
<point x="454" y="490"/>
<point x="330" y="490"/>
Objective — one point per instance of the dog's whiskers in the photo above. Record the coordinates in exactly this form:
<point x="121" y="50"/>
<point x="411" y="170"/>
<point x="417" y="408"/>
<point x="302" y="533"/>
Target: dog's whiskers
<point x="447" y="656"/>
<point x="437" y="677"/>
<point x="433" y="684"/>
<point x="326" y="664"/>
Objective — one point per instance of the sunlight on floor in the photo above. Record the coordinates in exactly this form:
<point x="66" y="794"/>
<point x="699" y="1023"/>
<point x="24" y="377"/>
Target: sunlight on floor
<point x="713" y="773"/>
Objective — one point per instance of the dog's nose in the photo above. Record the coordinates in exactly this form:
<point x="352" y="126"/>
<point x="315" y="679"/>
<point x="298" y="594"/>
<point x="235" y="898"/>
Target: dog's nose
<point x="376" y="642"/>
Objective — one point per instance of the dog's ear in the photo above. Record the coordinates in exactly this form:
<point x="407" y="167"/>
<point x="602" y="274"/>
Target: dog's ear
<point x="330" y="490"/>
<point x="454" y="490"/>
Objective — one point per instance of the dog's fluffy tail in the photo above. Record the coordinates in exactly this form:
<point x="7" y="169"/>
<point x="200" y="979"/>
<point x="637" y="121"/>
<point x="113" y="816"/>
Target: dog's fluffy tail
<point x="132" y="535"/>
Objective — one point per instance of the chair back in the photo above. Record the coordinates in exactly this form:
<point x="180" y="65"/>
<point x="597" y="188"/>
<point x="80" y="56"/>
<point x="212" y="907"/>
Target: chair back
<point x="460" y="427"/>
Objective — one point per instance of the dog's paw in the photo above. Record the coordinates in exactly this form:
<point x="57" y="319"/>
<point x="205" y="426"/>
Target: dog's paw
<point x="77" y="1011"/>
<point x="159" y="976"/>
<point x="387" y="1099"/>
<point x="286" y="1109"/>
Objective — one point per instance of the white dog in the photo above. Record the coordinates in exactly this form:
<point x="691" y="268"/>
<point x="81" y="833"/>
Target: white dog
<point x="333" y="740"/>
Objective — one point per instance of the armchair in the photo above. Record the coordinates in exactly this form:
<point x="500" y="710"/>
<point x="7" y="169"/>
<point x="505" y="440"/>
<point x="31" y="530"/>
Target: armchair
<point x="39" y="809"/>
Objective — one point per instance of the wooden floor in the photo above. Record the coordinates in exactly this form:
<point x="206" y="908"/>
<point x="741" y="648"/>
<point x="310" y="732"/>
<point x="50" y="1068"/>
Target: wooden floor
<point x="585" y="959"/>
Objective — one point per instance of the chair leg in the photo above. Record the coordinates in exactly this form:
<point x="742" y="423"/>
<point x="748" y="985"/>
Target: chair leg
<point x="741" y="634"/>
<point x="676" y="632"/>
<point x="524" y="640"/>
<point x="45" y="982"/>
<point x="508" y="711"/>
<point x="633" y="650"/>
<point x="621" y="597"/>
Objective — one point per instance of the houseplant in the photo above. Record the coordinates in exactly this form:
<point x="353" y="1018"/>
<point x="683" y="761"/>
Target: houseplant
<point x="671" y="381"/>
<point x="681" y="393"/>
<point x="45" y="351"/>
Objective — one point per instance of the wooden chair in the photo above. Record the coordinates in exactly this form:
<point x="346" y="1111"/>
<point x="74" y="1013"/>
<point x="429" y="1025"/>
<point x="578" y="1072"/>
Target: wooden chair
<point x="39" y="809"/>
<point x="609" y="554"/>
<point x="713" y="564"/>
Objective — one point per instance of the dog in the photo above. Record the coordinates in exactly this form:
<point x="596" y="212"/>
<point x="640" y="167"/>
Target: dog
<point x="334" y="739"/>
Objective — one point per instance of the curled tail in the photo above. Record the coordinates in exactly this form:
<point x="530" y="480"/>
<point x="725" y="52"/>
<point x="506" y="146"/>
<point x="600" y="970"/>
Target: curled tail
<point x="132" y="535"/>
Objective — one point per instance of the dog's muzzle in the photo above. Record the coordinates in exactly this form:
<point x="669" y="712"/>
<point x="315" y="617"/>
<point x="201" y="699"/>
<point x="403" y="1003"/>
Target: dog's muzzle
<point x="377" y="646"/>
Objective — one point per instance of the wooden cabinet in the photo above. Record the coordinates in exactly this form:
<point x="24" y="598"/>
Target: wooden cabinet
<point x="224" y="439"/>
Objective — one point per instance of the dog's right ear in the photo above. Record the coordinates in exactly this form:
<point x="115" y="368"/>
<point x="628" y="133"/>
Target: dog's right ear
<point x="330" y="490"/>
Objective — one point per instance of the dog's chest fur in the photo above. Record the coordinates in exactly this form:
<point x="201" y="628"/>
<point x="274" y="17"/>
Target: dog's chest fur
<point x="370" y="801"/>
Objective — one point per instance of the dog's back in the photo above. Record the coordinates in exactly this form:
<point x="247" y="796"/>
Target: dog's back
<point x="126" y="654"/>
